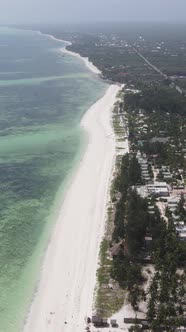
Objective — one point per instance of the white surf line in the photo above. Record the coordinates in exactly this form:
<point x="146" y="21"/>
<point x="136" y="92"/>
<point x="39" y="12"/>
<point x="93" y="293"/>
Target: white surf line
<point x="88" y="63"/>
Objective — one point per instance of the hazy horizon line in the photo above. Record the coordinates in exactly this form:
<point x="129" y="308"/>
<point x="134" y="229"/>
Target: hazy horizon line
<point x="96" y="22"/>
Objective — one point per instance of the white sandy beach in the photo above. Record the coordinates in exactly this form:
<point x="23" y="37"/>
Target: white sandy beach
<point x="88" y="64"/>
<point x="68" y="277"/>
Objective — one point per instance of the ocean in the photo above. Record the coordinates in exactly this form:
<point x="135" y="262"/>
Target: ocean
<point x="43" y="95"/>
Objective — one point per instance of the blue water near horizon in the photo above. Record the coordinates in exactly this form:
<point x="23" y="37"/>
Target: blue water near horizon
<point x="43" y="95"/>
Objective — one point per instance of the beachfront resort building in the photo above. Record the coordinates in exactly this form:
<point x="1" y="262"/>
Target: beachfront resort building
<point x="160" y="189"/>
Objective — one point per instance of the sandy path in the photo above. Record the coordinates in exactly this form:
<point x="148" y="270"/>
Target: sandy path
<point x="69" y="271"/>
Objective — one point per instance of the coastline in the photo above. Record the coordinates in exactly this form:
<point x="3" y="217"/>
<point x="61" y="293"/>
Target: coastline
<point x="127" y="310"/>
<point x="88" y="63"/>
<point x="68" y="276"/>
<point x="39" y="317"/>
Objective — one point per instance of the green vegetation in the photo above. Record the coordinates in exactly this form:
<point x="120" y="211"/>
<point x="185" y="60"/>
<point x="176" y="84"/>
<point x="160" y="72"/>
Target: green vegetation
<point x="130" y="174"/>
<point x="155" y="109"/>
<point x="157" y="125"/>
<point x="156" y="96"/>
<point x="130" y="225"/>
<point x="109" y="297"/>
<point x="165" y="305"/>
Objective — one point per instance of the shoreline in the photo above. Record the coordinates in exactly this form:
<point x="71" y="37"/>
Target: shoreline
<point x="68" y="276"/>
<point x="87" y="62"/>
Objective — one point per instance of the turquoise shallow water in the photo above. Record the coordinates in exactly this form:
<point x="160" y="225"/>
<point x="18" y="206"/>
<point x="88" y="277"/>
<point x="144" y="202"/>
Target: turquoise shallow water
<point x="43" y="95"/>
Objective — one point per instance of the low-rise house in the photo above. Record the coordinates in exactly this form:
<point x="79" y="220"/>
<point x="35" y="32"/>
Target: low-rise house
<point x="120" y="247"/>
<point x="105" y="322"/>
<point x="175" y="217"/>
<point x="151" y="209"/>
<point x="141" y="191"/>
<point x="148" y="242"/>
<point x="158" y="188"/>
<point x="113" y="322"/>
<point x="147" y="178"/>
<point x="144" y="167"/>
<point x="167" y="175"/>
<point x="182" y="236"/>
<point x="173" y="202"/>
<point x="96" y="321"/>
<point x="181" y="229"/>
<point x="144" y="172"/>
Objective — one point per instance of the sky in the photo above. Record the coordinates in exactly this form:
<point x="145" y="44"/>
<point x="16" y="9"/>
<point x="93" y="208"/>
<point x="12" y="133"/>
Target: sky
<point x="57" y="11"/>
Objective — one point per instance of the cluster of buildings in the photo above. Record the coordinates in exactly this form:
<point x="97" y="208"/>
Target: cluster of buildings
<point x="159" y="189"/>
<point x="142" y="160"/>
<point x="172" y="205"/>
<point x="141" y="125"/>
<point x="103" y="322"/>
<point x="167" y="196"/>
